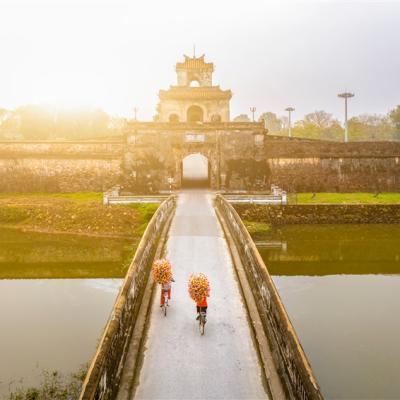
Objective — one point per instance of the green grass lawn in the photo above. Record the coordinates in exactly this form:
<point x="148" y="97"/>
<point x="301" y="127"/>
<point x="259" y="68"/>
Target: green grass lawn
<point x="79" y="196"/>
<point x="344" y="198"/>
<point x="256" y="228"/>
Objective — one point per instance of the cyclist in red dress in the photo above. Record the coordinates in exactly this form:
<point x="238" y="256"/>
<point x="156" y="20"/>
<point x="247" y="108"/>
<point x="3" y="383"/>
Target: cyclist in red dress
<point x="166" y="287"/>
<point x="202" y="306"/>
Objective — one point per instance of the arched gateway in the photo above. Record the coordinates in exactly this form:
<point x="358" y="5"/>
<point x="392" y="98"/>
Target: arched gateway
<point x="194" y="114"/>
<point x="194" y="119"/>
<point x="195" y="171"/>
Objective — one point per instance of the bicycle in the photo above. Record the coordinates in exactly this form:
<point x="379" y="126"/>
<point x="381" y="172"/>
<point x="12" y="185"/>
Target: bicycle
<point x="165" y="305"/>
<point x="202" y="321"/>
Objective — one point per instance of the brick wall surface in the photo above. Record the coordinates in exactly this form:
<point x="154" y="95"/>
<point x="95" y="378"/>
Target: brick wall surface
<point x="321" y="213"/>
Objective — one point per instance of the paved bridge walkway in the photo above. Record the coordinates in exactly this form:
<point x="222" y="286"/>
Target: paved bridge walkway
<point x="177" y="362"/>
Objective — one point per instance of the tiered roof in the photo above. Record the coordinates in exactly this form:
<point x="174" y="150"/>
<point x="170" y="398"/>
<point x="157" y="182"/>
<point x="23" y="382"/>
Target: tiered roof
<point x="194" y="63"/>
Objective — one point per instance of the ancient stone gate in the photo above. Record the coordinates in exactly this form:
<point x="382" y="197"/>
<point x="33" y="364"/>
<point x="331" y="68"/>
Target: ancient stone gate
<point x="155" y="151"/>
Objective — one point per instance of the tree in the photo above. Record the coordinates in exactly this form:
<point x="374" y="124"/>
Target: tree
<point x="3" y="113"/>
<point x="271" y="121"/>
<point x="100" y="120"/>
<point x="318" y="125"/>
<point x="242" y="118"/>
<point x="36" y="123"/>
<point x="370" y="127"/>
<point x="9" y="124"/>
<point x="81" y="124"/>
<point x="116" y="125"/>
<point x="394" y="116"/>
<point x="320" y="119"/>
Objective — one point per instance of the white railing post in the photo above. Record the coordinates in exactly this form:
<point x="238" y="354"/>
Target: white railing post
<point x="115" y="191"/>
<point x="106" y="198"/>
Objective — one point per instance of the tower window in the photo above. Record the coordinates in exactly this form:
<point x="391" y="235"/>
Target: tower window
<point x="194" y="114"/>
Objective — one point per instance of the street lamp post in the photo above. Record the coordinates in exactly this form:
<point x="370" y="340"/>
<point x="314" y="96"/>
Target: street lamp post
<point x="253" y="110"/>
<point x="290" y="110"/>
<point x="135" y="110"/>
<point x="345" y="96"/>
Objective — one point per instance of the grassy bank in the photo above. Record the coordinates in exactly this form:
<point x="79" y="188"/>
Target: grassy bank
<point x="77" y="213"/>
<point x="344" y="198"/>
<point x="256" y="229"/>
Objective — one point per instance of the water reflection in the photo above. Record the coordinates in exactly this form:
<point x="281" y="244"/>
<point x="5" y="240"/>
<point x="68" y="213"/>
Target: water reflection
<point x="50" y="324"/>
<point x="54" y="324"/>
<point x="37" y="255"/>
<point x="341" y="287"/>
<point x="332" y="249"/>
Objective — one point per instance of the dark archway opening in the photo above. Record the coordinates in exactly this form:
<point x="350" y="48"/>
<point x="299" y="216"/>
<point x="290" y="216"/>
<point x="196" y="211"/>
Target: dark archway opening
<point x="194" y="114"/>
<point x="195" y="171"/>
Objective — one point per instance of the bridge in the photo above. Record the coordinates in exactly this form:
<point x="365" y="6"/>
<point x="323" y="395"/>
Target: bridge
<point x="250" y="349"/>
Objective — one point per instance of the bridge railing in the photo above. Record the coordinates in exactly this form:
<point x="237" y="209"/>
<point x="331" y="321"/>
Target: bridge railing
<point x="105" y="371"/>
<point x="289" y="357"/>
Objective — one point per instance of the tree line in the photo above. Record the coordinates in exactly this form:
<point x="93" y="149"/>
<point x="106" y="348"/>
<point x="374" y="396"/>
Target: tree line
<point x="33" y="122"/>
<point x="322" y="125"/>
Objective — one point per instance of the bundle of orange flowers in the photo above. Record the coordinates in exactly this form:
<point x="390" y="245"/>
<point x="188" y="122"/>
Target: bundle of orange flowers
<point x="161" y="271"/>
<point x="199" y="287"/>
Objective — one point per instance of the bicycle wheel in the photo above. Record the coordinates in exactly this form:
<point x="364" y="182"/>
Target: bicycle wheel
<point x="201" y="325"/>
<point x="165" y="306"/>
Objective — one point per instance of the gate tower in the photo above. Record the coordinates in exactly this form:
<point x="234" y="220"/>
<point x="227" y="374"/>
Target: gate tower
<point x="194" y="98"/>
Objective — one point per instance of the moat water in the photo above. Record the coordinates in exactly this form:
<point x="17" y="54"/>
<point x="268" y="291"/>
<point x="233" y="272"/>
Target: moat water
<point x="340" y="285"/>
<point x="54" y="322"/>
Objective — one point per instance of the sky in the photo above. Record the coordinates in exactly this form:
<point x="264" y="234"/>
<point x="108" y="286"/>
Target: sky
<point x="117" y="54"/>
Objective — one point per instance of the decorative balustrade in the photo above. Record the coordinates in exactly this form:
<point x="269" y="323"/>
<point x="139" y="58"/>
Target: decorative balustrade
<point x="291" y="362"/>
<point x="277" y="196"/>
<point x="256" y="199"/>
<point x="104" y="374"/>
<point x="113" y="196"/>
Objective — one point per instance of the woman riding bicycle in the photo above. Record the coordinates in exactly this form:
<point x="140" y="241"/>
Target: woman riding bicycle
<point x="201" y="306"/>
<point x="166" y="290"/>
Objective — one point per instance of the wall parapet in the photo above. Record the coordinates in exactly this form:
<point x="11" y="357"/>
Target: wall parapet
<point x="104" y="374"/>
<point x="289" y="357"/>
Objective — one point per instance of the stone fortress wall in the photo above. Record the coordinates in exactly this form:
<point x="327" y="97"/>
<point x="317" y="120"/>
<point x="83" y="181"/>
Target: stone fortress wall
<point x="293" y="164"/>
<point x="313" y="166"/>
<point x="59" y="166"/>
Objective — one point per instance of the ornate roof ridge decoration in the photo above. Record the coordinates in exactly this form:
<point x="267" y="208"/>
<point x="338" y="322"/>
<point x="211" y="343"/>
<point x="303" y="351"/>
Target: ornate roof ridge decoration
<point x="195" y="63"/>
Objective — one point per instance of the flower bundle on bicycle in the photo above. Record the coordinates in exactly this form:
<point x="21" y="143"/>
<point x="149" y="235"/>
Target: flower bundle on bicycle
<point x="199" y="290"/>
<point x="162" y="271"/>
<point x="199" y="287"/>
